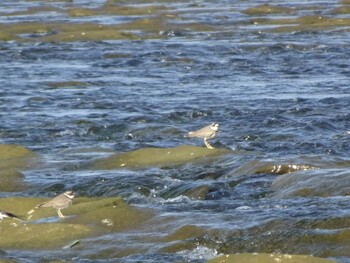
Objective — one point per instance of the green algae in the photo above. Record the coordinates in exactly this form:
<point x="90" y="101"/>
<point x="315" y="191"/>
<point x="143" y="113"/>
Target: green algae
<point x="15" y="156"/>
<point x="11" y="180"/>
<point x="185" y="232"/>
<point x="306" y="23"/>
<point x="154" y="19"/>
<point x="36" y="236"/>
<point x="159" y="157"/>
<point x="9" y="151"/>
<point x="86" y="217"/>
<point x="108" y="213"/>
<point x="268" y="258"/>
<point x="341" y="10"/>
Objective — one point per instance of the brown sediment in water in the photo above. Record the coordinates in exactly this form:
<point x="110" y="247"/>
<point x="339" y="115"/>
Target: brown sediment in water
<point x="158" y="157"/>
<point x="86" y="217"/>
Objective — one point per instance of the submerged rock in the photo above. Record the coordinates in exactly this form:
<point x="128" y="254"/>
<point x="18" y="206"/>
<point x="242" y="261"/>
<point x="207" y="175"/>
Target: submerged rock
<point x="267" y="9"/>
<point x="14" y="156"/>
<point x="268" y="258"/>
<point x="11" y="180"/>
<point x="321" y="182"/>
<point x="36" y="236"/>
<point x="159" y="157"/>
<point x="86" y="217"/>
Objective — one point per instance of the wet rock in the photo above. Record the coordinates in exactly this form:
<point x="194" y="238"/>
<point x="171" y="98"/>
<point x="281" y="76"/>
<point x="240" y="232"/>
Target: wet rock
<point x="267" y="9"/>
<point x="268" y="258"/>
<point x="86" y="217"/>
<point x="341" y="10"/>
<point x="11" y="180"/>
<point x="64" y="32"/>
<point x="198" y="193"/>
<point x="185" y="232"/>
<point x="159" y="157"/>
<point x="35" y="236"/>
<point x="65" y="84"/>
<point x="15" y="156"/>
<point x="277" y="167"/>
<point x="182" y="239"/>
<point x="308" y="23"/>
<point x="111" y="214"/>
<point x="282" y="168"/>
<point x="322" y="182"/>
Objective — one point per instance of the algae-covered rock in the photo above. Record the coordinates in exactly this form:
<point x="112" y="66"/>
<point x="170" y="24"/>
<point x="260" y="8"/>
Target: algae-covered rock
<point x="14" y="156"/>
<point x="109" y="213"/>
<point x="66" y="84"/>
<point x="36" y="236"/>
<point x="267" y="9"/>
<point x="322" y="182"/>
<point x="182" y="239"/>
<point x="86" y="217"/>
<point x="11" y="180"/>
<point x="185" y="232"/>
<point x="159" y="157"/>
<point x="268" y="258"/>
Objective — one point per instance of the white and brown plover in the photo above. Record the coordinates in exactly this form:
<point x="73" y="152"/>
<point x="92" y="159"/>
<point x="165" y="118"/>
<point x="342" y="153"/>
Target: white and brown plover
<point x="59" y="202"/>
<point x="205" y="133"/>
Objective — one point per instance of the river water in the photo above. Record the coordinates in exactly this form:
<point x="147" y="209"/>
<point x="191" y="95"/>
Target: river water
<point x="276" y="81"/>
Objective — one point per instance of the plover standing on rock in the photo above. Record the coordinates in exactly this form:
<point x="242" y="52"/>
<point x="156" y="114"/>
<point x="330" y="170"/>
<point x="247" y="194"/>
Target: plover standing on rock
<point x="205" y="133"/>
<point x="59" y="202"/>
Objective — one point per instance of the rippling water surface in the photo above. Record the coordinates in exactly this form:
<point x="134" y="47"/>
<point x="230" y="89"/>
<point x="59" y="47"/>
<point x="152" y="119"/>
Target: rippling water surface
<point x="278" y="88"/>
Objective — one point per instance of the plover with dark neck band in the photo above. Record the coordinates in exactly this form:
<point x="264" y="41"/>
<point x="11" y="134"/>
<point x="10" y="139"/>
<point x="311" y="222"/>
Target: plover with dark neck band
<point x="59" y="202"/>
<point x="205" y="133"/>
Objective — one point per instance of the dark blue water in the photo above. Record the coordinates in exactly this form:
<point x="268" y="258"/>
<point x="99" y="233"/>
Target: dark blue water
<point x="282" y="101"/>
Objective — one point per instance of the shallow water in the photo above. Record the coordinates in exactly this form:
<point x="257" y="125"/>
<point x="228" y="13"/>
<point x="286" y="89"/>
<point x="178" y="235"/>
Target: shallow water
<point x="282" y="100"/>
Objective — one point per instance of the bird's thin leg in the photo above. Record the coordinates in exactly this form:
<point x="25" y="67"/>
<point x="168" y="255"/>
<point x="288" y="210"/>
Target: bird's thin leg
<point x="60" y="214"/>
<point x="207" y="144"/>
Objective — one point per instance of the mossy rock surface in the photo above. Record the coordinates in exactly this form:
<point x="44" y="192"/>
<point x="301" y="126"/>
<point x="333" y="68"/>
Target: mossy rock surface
<point x="158" y="157"/>
<point x="268" y="258"/>
<point x="44" y="230"/>
<point x="39" y="236"/>
<point x="266" y="9"/>
<point x="11" y="180"/>
<point x="14" y="156"/>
